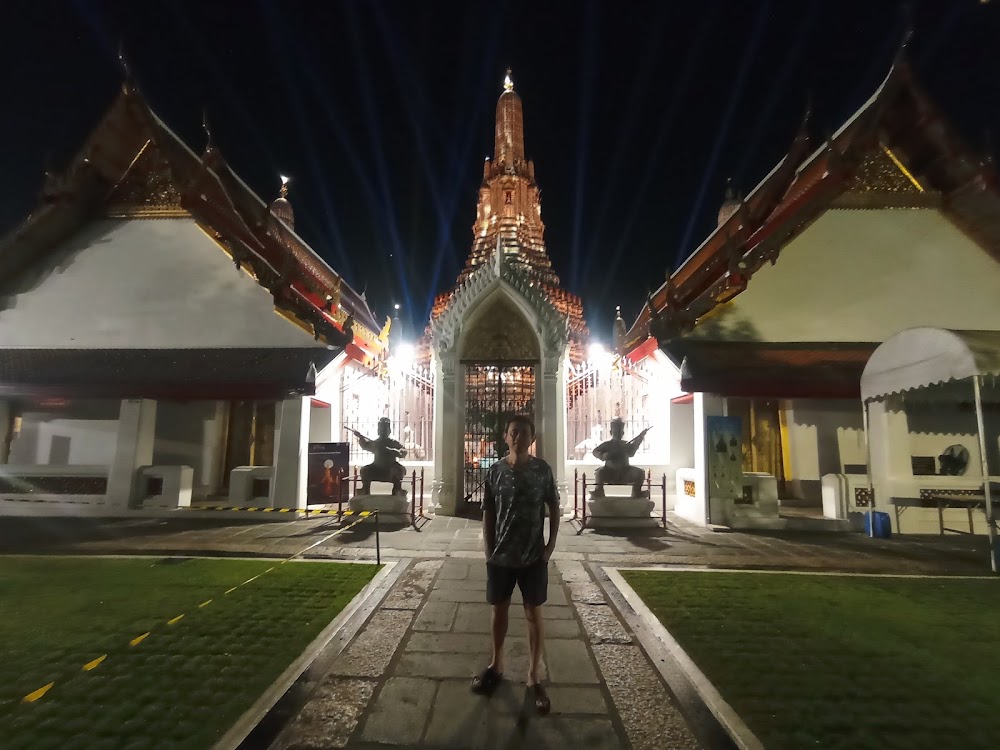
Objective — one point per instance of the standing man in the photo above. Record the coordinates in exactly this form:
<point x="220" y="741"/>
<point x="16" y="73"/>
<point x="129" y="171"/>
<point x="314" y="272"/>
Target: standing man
<point x="519" y="487"/>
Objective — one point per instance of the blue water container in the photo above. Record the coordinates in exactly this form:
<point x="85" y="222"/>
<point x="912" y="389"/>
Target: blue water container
<point x="883" y="527"/>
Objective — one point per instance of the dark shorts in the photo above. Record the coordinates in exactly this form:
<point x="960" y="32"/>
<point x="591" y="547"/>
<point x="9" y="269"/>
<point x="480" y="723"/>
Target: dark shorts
<point x="533" y="581"/>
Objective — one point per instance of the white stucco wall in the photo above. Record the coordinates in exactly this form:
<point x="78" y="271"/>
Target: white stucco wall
<point x="91" y="441"/>
<point x="155" y="283"/>
<point x="857" y="275"/>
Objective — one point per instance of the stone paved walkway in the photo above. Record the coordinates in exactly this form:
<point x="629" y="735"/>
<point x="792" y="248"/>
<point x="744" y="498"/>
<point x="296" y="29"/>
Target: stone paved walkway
<point x="404" y="681"/>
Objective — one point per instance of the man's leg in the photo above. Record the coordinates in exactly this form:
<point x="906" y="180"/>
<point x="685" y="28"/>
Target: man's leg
<point x="500" y="583"/>
<point x="533" y="614"/>
<point x="534" y="583"/>
<point x="500" y="620"/>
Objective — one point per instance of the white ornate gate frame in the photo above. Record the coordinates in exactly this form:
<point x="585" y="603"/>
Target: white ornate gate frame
<point x="498" y="277"/>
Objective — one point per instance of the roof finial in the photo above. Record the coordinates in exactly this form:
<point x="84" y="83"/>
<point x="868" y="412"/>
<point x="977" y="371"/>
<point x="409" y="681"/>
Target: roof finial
<point x="206" y="128"/>
<point x="128" y="85"/>
<point x="508" y="82"/>
<point x="284" y="185"/>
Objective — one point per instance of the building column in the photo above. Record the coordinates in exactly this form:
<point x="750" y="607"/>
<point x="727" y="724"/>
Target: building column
<point x="6" y="430"/>
<point x="448" y="388"/>
<point x="334" y="389"/>
<point x="291" y="453"/>
<point x="213" y="450"/>
<point x="550" y="419"/>
<point x="133" y="448"/>
<point x="696" y="509"/>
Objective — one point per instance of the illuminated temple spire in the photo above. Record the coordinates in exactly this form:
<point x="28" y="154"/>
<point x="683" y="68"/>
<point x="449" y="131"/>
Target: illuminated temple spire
<point x="508" y="148"/>
<point x="510" y="211"/>
<point x="508" y="228"/>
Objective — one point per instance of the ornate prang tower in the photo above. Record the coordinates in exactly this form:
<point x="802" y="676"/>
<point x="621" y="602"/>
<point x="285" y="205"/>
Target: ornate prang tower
<point x="509" y="218"/>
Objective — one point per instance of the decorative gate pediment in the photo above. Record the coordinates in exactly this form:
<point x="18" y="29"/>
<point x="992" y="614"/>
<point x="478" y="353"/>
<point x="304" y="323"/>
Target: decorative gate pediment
<point x="552" y="328"/>
<point x="500" y="333"/>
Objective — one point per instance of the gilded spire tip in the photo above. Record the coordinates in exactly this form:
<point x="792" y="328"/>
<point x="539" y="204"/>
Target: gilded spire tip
<point x="284" y="185"/>
<point x="508" y="83"/>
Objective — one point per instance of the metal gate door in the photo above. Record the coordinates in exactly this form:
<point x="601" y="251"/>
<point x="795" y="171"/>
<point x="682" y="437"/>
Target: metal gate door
<point x="493" y="394"/>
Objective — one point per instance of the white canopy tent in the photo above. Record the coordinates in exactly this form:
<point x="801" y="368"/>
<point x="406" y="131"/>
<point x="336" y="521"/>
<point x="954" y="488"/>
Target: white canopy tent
<point x="919" y="358"/>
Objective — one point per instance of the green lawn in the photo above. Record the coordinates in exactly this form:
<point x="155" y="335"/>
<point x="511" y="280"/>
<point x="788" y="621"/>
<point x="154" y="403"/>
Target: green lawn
<point x="183" y="685"/>
<point x="840" y="661"/>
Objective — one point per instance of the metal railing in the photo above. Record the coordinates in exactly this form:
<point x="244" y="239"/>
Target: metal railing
<point x="580" y="498"/>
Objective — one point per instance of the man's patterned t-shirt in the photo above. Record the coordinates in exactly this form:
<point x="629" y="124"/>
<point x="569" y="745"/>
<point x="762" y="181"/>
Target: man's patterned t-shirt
<point x="517" y="496"/>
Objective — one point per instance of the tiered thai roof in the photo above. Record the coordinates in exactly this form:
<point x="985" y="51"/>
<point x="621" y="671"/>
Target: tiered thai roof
<point x="133" y="166"/>
<point x="509" y="220"/>
<point x="896" y="151"/>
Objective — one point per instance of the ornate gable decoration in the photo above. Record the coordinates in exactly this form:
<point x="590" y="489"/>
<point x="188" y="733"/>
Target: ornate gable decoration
<point x="147" y="190"/>
<point x="882" y="181"/>
<point x="554" y="333"/>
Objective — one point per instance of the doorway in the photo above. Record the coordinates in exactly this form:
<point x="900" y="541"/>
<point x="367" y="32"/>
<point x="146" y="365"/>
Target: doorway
<point x="493" y="393"/>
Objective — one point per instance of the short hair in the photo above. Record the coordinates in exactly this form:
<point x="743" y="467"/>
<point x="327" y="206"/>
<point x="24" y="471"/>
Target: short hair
<point x="520" y="419"/>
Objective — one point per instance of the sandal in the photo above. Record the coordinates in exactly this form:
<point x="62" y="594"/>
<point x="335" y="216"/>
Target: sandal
<point x="542" y="703"/>
<point x="486" y="681"/>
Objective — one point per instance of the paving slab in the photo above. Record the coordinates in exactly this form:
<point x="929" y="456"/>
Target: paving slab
<point x="400" y="711"/>
<point x="437" y="665"/>
<point x="436" y="616"/>
<point x="465" y="584"/>
<point x="453" y="572"/>
<point x="569" y="662"/>
<point x="456" y="595"/>
<point x="577" y="700"/>
<point x="561" y="628"/>
<point x="462" y="719"/>
<point x="574" y="732"/>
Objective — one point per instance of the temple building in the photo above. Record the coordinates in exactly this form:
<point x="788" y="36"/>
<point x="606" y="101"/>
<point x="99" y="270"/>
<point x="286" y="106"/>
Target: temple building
<point x="890" y="224"/>
<point x="163" y="331"/>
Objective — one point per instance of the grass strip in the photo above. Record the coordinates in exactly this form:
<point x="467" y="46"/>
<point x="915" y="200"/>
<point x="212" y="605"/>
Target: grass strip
<point x="842" y="661"/>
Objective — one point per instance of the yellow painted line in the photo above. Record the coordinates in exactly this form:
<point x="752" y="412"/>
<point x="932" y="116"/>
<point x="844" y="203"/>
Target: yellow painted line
<point x="204" y="604"/>
<point x="93" y="664"/>
<point x="35" y="695"/>
<point x="138" y="639"/>
<point x="232" y="589"/>
<point x="251" y="579"/>
<point x="269" y="570"/>
<point x="176" y="619"/>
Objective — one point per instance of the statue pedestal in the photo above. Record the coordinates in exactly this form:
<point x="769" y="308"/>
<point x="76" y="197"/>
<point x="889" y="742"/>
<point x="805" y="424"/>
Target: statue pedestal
<point x="620" y="512"/>
<point x="390" y="507"/>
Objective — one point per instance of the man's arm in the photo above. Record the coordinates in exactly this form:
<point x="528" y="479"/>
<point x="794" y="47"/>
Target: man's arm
<point x="552" y="501"/>
<point x="489" y="519"/>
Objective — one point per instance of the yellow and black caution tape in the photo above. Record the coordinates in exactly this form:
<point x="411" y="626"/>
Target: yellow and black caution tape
<point x="35" y="695"/>
<point x="307" y="511"/>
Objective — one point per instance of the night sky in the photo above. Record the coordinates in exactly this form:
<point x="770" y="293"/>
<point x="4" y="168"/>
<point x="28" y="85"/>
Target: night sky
<point x="382" y="113"/>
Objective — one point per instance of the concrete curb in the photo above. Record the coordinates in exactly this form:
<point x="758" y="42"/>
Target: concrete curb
<point x="351" y="618"/>
<point x="656" y="639"/>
